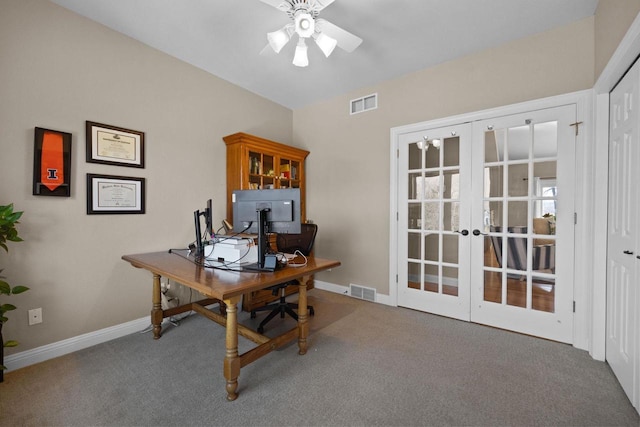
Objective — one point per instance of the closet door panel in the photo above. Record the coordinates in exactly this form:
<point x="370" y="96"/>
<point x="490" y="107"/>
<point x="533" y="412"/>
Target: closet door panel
<point x="622" y="247"/>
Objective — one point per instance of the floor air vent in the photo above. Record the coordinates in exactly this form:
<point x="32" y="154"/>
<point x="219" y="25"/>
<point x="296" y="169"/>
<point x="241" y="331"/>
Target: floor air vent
<point x="361" y="292"/>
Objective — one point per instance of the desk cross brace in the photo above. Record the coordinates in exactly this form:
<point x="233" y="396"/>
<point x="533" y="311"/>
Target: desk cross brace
<point x="233" y="361"/>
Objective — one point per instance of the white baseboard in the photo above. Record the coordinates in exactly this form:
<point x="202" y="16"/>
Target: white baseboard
<point x="60" y="348"/>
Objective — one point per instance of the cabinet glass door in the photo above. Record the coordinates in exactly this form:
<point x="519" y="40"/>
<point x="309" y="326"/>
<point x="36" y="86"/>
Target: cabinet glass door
<point x="261" y="171"/>
<point x="289" y="173"/>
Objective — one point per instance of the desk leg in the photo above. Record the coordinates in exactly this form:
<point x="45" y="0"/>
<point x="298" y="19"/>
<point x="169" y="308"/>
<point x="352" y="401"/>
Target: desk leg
<point x="303" y="325"/>
<point x="232" y="360"/>
<point x="156" y="310"/>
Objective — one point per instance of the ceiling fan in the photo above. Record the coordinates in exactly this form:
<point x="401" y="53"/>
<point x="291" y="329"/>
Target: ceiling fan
<point x="306" y="24"/>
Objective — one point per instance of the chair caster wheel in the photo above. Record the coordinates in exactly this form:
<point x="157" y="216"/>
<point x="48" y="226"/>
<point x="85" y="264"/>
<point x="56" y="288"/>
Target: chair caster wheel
<point x="260" y="330"/>
<point x="311" y="311"/>
<point x="253" y="314"/>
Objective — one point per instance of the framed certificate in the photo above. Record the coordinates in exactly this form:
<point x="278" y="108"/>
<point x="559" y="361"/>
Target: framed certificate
<point x="114" y="145"/>
<point x="108" y="194"/>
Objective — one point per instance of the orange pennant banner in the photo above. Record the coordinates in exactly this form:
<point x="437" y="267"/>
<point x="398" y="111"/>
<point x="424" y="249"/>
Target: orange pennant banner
<point x="52" y="161"/>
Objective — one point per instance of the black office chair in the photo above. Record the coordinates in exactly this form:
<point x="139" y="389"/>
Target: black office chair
<point x="288" y="243"/>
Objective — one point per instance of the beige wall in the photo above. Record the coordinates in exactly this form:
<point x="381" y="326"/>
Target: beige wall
<point x="612" y="20"/>
<point x="58" y="70"/>
<point x="348" y="170"/>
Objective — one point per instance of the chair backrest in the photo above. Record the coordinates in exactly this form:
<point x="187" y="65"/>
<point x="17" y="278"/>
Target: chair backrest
<point x="517" y="247"/>
<point x="303" y="242"/>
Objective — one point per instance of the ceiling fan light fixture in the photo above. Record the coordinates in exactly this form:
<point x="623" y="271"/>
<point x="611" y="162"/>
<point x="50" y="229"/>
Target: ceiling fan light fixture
<point x="278" y="39"/>
<point x="300" y="58"/>
<point x="305" y="25"/>
<point x="325" y="43"/>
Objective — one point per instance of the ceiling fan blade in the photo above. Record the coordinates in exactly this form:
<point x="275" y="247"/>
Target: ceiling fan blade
<point x="347" y="41"/>
<point x="266" y="50"/>
<point x="321" y="4"/>
<point x="278" y="4"/>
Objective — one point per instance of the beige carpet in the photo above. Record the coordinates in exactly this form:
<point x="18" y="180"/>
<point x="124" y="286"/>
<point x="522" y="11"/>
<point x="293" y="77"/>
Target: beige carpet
<point x="367" y="364"/>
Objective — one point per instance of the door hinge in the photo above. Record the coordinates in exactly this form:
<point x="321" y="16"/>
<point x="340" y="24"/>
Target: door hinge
<point x="396" y="278"/>
<point x="575" y="218"/>
<point x="574" y="306"/>
<point x="398" y="153"/>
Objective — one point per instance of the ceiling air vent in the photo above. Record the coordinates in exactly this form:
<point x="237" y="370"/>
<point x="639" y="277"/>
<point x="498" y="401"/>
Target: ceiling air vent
<point x="366" y="103"/>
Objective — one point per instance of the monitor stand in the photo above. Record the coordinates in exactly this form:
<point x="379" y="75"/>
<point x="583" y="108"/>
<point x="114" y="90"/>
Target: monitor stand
<point x="266" y="262"/>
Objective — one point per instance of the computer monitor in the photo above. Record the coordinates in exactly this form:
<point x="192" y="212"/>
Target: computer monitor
<point x="282" y="208"/>
<point x="266" y="211"/>
<point x="201" y="240"/>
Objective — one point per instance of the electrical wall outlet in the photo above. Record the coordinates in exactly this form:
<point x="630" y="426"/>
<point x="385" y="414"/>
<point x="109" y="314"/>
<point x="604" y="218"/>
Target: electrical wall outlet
<point x="35" y="316"/>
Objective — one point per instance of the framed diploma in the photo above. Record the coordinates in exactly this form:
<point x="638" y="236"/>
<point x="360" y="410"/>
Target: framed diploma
<point x="114" y="146"/>
<point x="51" y="163"/>
<point x="108" y="194"/>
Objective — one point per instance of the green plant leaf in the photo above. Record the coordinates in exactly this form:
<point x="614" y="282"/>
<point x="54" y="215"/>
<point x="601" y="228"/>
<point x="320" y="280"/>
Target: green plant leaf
<point x="11" y="343"/>
<point x="19" y="289"/>
<point x="4" y="319"/>
<point x="4" y="288"/>
<point x="3" y="368"/>
<point x="7" y="307"/>
<point x="6" y="210"/>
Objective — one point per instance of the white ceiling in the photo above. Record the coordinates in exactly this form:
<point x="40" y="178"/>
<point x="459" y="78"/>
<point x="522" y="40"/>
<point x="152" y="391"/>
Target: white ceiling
<point x="225" y="37"/>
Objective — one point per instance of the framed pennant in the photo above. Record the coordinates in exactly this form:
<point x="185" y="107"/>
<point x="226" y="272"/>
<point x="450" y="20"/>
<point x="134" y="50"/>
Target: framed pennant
<point x="51" y="163"/>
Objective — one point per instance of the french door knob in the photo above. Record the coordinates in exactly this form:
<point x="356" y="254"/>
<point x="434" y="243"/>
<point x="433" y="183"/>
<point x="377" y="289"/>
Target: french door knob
<point x="477" y="232"/>
<point x="463" y="232"/>
<point x="628" y="252"/>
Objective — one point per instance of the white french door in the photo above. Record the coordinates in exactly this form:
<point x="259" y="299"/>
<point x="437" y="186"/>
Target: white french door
<point x="485" y="221"/>
<point x="523" y="223"/>
<point x="435" y="191"/>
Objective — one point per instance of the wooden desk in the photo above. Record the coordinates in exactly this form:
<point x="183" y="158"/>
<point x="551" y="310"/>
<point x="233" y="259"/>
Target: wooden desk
<point x="228" y="287"/>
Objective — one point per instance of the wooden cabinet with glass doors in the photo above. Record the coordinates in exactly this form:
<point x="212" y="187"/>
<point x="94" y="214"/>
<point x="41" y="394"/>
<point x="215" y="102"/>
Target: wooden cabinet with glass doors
<point x="255" y="163"/>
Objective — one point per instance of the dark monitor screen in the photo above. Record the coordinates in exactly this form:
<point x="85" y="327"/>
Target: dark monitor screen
<point x="282" y="205"/>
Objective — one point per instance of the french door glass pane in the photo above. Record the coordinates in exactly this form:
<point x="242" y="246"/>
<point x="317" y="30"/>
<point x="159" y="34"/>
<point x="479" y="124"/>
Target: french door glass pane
<point x="451" y="152"/>
<point x="494" y="181"/>
<point x="431" y="275"/>
<point x="520" y="247"/>
<point x="433" y="214"/>
<point x="414" y="270"/>
<point x="450" y="280"/>
<point x="518" y="178"/>
<point x="431" y="247"/>
<point x="450" y="248"/>
<point x="413" y="246"/>
<point x="415" y="185"/>
<point x="415" y="156"/>
<point x="430" y="185"/>
<point x="451" y="216"/>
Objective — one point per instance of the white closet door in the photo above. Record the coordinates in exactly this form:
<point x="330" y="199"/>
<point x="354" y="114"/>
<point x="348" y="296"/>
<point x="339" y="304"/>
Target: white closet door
<point x="622" y="263"/>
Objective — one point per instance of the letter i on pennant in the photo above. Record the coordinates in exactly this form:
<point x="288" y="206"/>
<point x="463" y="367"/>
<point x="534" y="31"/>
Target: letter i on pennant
<point x="52" y="161"/>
